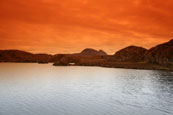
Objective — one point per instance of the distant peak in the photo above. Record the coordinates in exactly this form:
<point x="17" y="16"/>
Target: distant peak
<point x="90" y="51"/>
<point x="134" y="47"/>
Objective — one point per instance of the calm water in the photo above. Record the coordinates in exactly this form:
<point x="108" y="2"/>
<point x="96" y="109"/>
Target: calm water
<point x="33" y="89"/>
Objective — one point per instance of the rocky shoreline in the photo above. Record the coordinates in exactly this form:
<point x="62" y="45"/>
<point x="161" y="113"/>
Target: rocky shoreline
<point x="159" y="57"/>
<point x="143" y="66"/>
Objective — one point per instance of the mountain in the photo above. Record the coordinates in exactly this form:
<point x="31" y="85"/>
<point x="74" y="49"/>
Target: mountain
<point x="43" y="58"/>
<point x="22" y="56"/>
<point x="87" y="56"/>
<point x="130" y="53"/>
<point x="161" y="54"/>
<point x="159" y="57"/>
<point x="16" y="56"/>
<point x="92" y="52"/>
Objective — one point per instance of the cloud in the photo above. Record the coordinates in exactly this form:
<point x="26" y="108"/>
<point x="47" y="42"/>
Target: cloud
<point x="70" y="25"/>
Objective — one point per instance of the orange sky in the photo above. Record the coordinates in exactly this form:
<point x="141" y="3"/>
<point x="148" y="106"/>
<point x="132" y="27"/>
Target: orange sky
<point x="67" y="26"/>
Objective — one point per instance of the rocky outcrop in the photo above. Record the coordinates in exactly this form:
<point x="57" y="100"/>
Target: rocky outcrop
<point x="130" y="54"/>
<point x="159" y="57"/>
<point x="161" y="54"/>
<point x="92" y="52"/>
<point x="22" y="56"/>
<point x="43" y="58"/>
<point x="87" y="57"/>
<point x="16" y="56"/>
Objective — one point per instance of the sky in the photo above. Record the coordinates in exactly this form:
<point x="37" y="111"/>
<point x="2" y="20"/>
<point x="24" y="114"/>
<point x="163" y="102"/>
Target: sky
<point x="69" y="26"/>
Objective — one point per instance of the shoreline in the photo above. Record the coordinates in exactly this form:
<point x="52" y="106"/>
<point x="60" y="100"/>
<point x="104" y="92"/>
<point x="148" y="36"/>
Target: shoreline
<point x="124" y="65"/>
<point x="140" y="66"/>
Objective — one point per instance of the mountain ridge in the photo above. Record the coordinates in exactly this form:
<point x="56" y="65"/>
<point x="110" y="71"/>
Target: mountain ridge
<point x="161" y="56"/>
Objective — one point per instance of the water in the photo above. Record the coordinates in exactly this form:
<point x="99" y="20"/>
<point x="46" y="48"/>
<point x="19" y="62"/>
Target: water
<point x="33" y="89"/>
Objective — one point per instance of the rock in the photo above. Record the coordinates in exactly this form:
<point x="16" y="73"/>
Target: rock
<point x="87" y="57"/>
<point x="43" y="58"/>
<point x="92" y="52"/>
<point x="22" y="56"/>
<point x="130" y="53"/>
<point x="161" y="54"/>
<point x="16" y="56"/>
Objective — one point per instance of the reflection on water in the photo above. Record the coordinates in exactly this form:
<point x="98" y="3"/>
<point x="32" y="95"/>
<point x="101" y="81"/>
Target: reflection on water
<point x="33" y="89"/>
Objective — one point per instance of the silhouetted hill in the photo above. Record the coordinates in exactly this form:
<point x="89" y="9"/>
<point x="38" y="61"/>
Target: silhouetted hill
<point x="43" y="58"/>
<point x="16" y="56"/>
<point x="159" y="57"/>
<point x="92" y="52"/>
<point x="22" y="56"/>
<point x="130" y="54"/>
<point x="161" y="54"/>
<point x="87" y="56"/>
